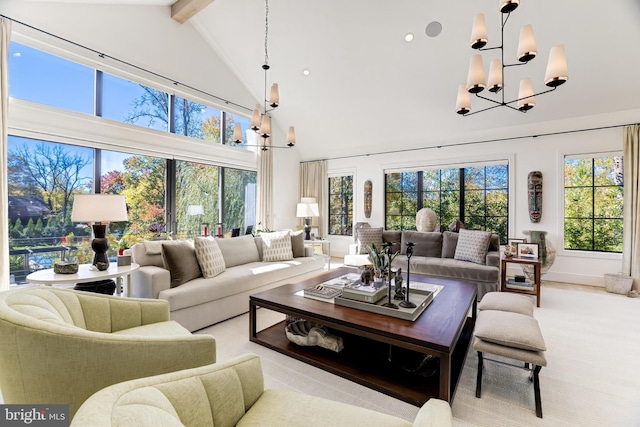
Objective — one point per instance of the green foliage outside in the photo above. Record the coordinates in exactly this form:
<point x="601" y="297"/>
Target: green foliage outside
<point x="593" y="205"/>
<point x="341" y="205"/>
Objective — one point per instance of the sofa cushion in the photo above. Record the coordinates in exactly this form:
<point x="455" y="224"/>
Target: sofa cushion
<point x="209" y="256"/>
<point x="449" y="243"/>
<point x="179" y="258"/>
<point x="426" y="243"/>
<point x="509" y="329"/>
<point x="367" y="237"/>
<point x="276" y="246"/>
<point x="239" y="250"/>
<point x="297" y="243"/>
<point x="472" y="246"/>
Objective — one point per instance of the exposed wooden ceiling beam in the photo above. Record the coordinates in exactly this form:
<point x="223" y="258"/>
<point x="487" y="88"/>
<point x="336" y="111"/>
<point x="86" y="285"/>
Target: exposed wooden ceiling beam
<point x="183" y="10"/>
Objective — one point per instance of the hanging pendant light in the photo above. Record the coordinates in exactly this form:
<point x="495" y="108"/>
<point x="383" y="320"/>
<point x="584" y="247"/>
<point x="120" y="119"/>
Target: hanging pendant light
<point x="494" y="84"/>
<point x="526" y="100"/>
<point x="556" y="73"/>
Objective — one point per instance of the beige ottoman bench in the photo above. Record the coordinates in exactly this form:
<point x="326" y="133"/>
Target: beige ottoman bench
<point x="506" y="327"/>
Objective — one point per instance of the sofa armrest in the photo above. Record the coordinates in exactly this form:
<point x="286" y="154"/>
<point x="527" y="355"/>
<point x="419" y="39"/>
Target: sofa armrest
<point x="149" y="280"/>
<point x="493" y="259"/>
<point x="353" y="249"/>
<point x="434" y="413"/>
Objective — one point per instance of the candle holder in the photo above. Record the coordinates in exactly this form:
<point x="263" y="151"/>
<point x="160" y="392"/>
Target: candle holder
<point x="406" y="303"/>
<point x="204" y="229"/>
<point x="388" y="304"/>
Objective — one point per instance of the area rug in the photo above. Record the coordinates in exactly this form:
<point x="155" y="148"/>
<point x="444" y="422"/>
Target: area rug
<point x="592" y="377"/>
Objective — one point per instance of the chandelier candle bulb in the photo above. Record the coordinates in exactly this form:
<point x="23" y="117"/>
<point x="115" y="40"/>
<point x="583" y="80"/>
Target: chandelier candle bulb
<point x="463" y="103"/>
<point x="557" y="72"/>
<point x="237" y="133"/>
<point x="526" y="99"/>
<point x="479" y="36"/>
<point x="291" y="137"/>
<point x="275" y="96"/>
<point x="476" y="78"/>
<point x="527" y="49"/>
<point x="255" y="118"/>
<point x="495" y="76"/>
<point x="265" y="129"/>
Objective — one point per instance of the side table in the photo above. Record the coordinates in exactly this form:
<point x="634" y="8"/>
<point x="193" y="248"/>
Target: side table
<point x="85" y="274"/>
<point x="319" y="249"/>
<point x="537" y="268"/>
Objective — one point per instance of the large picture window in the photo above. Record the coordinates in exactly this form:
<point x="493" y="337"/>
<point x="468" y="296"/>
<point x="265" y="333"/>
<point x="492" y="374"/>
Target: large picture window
<point x="341" y="205"/>
<point x="593" y="202"/>
<point x="476" y="195"/>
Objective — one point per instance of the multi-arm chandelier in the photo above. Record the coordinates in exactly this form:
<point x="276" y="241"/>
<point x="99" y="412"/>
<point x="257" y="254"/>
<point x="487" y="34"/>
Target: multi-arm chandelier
<point x="555" y="75"/>
<point x="260" y="119"/>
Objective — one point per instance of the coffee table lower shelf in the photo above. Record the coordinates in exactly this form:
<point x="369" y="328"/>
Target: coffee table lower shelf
<point x="366" y="362"/>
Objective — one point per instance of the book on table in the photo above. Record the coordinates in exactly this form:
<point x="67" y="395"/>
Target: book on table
<point x="527" y="285"/>
<point x="320" y="291"/>
<point x="364" y="293"/>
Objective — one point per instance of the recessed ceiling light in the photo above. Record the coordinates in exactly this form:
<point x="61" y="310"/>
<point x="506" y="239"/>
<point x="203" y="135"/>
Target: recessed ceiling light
<point x="306" y="72"/>
<point x="408" y="37"/>
<point x="433" y="29"/>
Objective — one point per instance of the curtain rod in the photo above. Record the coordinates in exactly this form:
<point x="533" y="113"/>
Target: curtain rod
<point x="104" y="55"/>
<point x="482" y="141"/>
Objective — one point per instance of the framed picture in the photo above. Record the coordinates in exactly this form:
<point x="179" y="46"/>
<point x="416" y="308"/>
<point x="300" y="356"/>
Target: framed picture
<point x="527" y="250"/>
<point x="511" y="241"/>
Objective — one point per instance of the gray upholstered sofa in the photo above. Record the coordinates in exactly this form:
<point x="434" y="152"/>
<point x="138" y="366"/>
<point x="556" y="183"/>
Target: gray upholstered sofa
<point x="200" y="301"/>
<point x="434" y="254"/>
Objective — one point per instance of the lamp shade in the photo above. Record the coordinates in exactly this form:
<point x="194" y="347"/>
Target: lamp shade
<point x="265" y="129"/>
<point x="556" y="67"/>
<point x="255" y="118"/>
<point x="274" y="98"/>
<point x="526" y="99"/>
<point x="99" y="208"/>
<point x="527" y="49"/>
<point x="237" y="133"/>
<point x="476" y="80"/>
<point x="494" y="83"/>
<point x="463" y="103"/>
<point x="479" y="36"/>
<point x="307" y="208"/>
<point x="291" y="137"/>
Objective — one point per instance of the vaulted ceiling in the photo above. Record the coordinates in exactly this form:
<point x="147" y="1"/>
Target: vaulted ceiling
<point x="369" y="90"/>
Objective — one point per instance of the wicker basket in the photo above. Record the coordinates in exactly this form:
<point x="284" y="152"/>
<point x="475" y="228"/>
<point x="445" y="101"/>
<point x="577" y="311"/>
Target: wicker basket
<point x="618" y="283"/>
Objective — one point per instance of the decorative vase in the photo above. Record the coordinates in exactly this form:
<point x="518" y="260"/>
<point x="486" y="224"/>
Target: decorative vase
<point x="546" y="252"/>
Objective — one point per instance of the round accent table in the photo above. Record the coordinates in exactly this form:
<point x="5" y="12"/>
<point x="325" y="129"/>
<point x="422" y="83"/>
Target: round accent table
<point x="86" y="274"/>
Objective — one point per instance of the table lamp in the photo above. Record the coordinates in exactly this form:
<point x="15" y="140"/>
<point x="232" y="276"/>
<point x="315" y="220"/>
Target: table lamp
<point x="306" y="209"/>
<point x="99" y="210"/>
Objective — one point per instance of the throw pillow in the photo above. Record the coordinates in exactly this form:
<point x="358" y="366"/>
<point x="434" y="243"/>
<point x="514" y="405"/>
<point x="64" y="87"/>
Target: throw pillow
<point x="367" y="236"/>
<point x="509" y="329"/>
<point x="276" y="246"/>
<point x="449" y="243"/>
<point x="209" y="256"/>
<point x="180" y="259"/>
<point x="297" y="243"/>
<point x="472" y="246"/>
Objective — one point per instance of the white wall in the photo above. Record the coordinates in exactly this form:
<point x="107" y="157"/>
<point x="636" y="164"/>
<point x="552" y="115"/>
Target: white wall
<point x="525" y="155"/>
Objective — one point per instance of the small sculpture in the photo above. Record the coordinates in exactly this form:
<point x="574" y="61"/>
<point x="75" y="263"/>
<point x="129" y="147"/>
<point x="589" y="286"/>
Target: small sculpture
<point x="398" y="285"/>
<point x="366" y="276"/>
<point x="306" y="333"/>
<point x="534" y="185"/>
<point x="426" y="220"/>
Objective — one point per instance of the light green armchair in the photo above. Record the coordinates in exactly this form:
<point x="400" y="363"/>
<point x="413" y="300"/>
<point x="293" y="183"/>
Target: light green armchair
<point x="61" y="346"/>
<point x="232" y="394"/>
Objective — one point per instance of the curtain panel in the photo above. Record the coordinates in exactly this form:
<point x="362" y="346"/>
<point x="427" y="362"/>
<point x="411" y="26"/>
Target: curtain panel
<point x="314" y="183"/>
<point x="5" y="38"/>
<point x="265" y="190"/>
<point x="631" y="235"/>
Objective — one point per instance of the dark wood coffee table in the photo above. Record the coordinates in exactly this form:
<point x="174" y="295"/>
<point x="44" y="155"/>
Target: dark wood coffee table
<point x="380" y="351"/>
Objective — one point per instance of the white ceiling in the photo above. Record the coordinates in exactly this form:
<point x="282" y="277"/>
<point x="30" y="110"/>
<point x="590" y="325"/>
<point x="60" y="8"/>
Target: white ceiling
<point x="370" y="91"/>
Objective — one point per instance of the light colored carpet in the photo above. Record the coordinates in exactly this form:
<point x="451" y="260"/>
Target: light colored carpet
<point x="592" y="377"/>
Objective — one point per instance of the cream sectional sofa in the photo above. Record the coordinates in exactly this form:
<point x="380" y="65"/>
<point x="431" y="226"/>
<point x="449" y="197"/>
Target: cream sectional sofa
<point x="434" y="254"/>
<point x="201" y="302"/>
<point x="232" y="393"/>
